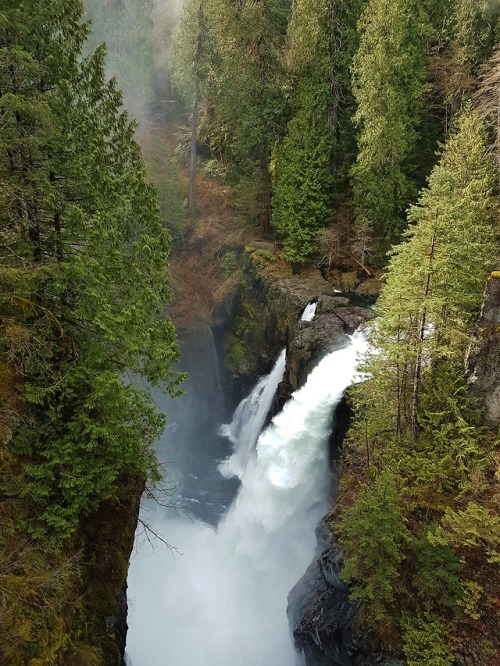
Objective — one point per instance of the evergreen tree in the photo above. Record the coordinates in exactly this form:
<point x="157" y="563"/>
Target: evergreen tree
<point x="241" y="89"/>
<point x="389" y="74"/>
<point x="374" y="531"/>
<point x="83" y="256"/>
<point x="414" y="418"/>
<point x="188" y="65"/>
<point x="474" y="28"/>
<point x="320" y="45"/>
<point x="303" y="183"/>
<point x="488" y="96"/>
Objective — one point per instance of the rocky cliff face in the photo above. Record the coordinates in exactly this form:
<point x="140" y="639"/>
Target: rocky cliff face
<point x="323" y="620"/>
<point x="319" y="610"/>
<point x="261" y="315"/>
<point x="105" y="542"/>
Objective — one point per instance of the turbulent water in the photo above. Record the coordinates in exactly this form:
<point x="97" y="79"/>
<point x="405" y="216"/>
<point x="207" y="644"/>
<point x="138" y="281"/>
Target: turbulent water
<point x="221" y="600"/>
<point x="249" y="419"/>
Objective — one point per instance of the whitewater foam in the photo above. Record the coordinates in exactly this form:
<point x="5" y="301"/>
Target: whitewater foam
<point x="223" y="602"/>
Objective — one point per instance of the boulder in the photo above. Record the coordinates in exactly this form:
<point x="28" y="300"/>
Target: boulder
<point x="327" y="304"/>
<point x="320" y="614"/>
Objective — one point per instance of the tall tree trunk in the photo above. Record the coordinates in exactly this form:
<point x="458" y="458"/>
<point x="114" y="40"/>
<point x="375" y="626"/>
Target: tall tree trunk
<point x="265" y="197"/>
<point x="417" y="375"/>
<point x="192" y="161"/>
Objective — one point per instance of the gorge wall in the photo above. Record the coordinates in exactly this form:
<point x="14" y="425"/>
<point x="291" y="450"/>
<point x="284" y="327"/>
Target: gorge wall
<point x="261" y="315"/>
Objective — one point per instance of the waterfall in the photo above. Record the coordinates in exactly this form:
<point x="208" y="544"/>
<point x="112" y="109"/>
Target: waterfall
<point x="249" y="418"/>
<point x="223" y="600"/>
<point x="309" y="311"/>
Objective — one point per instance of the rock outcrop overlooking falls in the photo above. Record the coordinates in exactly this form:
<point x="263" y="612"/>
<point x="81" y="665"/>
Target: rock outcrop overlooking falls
<point x="319" y="611"/>
<point x="261" y="315"/>
<point x="336" y="317"/>
<point x="322" y="619"/>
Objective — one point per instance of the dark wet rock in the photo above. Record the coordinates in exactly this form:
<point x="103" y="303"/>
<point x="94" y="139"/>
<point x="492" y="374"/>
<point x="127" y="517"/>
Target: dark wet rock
<point x="353" y="316"/>
<point x="328" y="331"/>
<point x="322" y="619"/>
<point x="261" y="315"/>
<point x="320" y="614"/>
<point x="310" y="343"/>
<point x="327" y="304"/>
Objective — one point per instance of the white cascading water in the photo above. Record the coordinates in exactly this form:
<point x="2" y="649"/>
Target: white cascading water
<point x="309" y="312"/>
<point x="248" y="420"/>
<point x="222" y="602"/>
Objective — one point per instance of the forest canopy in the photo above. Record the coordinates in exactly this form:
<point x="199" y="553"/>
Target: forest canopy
<point x="329" y="114"/>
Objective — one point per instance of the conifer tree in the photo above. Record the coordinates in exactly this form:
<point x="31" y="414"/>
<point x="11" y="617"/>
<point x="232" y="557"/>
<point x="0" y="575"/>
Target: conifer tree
<point x="414" y="419"/>
<point x="474" y="28"/>
<point x="488" y="96"/>
<point x="83" y="256"/>
<point x="189" y="71"/>
<point x="241" y="90"/>
<point x="389" y="75"/>
<point x="308" y="161"/>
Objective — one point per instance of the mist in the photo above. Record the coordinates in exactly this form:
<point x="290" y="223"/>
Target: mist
<point x="138" y="35"/>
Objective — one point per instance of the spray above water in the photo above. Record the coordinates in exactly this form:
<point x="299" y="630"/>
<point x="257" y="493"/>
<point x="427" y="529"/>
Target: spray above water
<point x="223" y="602"/>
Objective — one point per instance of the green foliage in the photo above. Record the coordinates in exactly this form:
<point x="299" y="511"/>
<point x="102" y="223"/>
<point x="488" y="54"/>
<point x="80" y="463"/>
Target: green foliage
<point x="474" y="24"/>
<point x="191" y="50"/>
<point x="86" y="252"/>
<point x="437" y="579"/>
<point x="474" y="527"/>
<point x="415" y="419"/>
<point x="238" y="340"/>
<point x="303" y="182"/>
<point x="83" y="445"/>
<point x="309" y="160"/>
<point x="426" y="641"/>
<point x="229" y="263"/>
<point x="435" y="278"/>
<point x="238" y="72"/>
<point x="302" y="179"/>
<point x="373" y="531"/>
<point x="36" y="591"/>
<point x="389" y="73"/>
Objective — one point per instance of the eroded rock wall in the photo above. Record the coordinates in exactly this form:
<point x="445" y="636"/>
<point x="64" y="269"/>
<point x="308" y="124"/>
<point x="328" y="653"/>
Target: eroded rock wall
<point x="261" y="315"/>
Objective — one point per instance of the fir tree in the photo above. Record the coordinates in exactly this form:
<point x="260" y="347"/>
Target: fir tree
<point x="390" y="87"/>
<point x="83" y="254"/>
<point x="414" y="418"/>
<point x="308" y="161"/>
